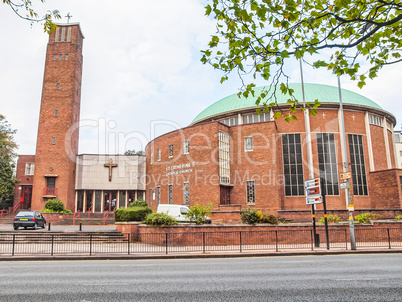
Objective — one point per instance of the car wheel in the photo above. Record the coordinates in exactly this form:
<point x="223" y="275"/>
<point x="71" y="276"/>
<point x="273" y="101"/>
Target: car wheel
<point x="15" y="228"/>
<point x="25" y="228"/>
<point x="35" y="226"/>
<point x="44" y="225"/>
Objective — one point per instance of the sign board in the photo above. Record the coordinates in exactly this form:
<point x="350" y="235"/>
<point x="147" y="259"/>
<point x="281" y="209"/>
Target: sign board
<point x="313" y="191"/>
<point x="343" y="185"/>
<point x="312" y="183"/>
<point x="346" y="175"/>
<point x="351" y="207"/>
<point x="313" y="199"/>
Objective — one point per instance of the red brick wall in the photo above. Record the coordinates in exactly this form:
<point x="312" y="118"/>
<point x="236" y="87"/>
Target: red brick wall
<point x="59" y="158"/>
<point x="385" y="189"/>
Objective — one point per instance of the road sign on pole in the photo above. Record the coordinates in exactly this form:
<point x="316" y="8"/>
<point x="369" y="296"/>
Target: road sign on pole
<point x="313" y="191"/>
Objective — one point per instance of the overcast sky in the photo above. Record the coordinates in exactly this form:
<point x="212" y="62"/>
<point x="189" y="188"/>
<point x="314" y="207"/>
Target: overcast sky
<point x="142" y="74"/>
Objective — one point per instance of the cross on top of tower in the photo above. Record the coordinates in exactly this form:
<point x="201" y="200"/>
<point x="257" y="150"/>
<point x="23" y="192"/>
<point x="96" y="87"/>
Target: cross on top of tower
<point x="68" y="16"/>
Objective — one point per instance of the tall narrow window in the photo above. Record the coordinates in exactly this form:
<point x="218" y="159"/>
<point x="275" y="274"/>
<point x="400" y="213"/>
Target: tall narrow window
<point x="224" y="158"/>
<point x="186" y="193"/>
<point x="66" y="57"/>
<point x="29" y="169"/>
<point x="58" y="86"/>
<point x="54" y="57"/>
<point x="159" y="154"/>
<point x="60" y="57"/>
<point x="53" y="140"/>
<point x="292" y="164"/>
<point x="170" y="194"/>
<point x="151" y="157"/>
<point x="69" y="34"/>
<point x="51" y="182"/>
<point x="56" y="35"/>
<point x="248" y="143"/>
<point x="170" y="150"/>
<point x="400" y="182"/>
<point x="250" y="192"/>
<point x="357" y="164"/>
<point x="186" y="147"/>
<point x="150" y="197"/>
<point x="56" y="112"/>
<point x="158" y="195"/>
<point x="63" y="34"/>
<point x="327" y="163"/>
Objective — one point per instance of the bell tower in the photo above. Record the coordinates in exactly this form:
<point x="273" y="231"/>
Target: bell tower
<point x="58" y="131"/>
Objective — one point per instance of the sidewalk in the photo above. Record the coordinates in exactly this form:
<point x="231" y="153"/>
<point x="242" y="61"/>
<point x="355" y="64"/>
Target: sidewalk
<point x="160" y="255"/>
<point x="60" y="228"/>
<point x="196" y="255"/>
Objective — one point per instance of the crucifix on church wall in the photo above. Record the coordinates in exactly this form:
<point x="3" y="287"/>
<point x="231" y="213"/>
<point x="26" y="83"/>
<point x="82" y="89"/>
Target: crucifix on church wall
<point x="110" y="165"/>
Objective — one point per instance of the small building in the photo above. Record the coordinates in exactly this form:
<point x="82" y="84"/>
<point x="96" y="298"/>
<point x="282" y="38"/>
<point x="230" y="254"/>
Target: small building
<point x="107" y="182"/>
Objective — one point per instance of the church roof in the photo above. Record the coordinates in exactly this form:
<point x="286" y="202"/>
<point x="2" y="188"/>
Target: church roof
<point x="324" y="94"/>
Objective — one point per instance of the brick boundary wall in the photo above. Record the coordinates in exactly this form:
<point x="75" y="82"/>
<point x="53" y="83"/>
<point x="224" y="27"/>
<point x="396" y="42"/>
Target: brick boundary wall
<point x="188" y="235"/>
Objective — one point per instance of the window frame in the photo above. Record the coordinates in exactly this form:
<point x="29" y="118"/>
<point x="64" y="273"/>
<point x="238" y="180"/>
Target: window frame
<point x="250" y="184"/>
<point x="248" y="138"/>
<point x="186" y="146"/>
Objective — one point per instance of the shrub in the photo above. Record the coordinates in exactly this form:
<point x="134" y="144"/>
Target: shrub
<point x="250" y="216"/>
<point x="269" y="218"/>
<point x="138" y="203"/>
<point x="158" y="219"/>
<point x="399" y="217"/>
<point x="198" y="212"/>
<point x="54" y="205"/>
<point x="367" y="217"/>
<point x="132" y="213"/>
<point x="330" y="218"/>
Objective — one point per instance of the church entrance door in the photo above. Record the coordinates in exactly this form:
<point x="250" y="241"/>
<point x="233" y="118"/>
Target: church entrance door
<point x="26" y="197"/>
<point x="110" y="198"/>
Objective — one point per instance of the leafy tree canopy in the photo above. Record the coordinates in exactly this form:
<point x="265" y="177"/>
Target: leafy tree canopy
<point x="24" y="10"/>
<point x="133" y="152"/>
<point x="7" y="156"/>
<point x="258" y="37"/>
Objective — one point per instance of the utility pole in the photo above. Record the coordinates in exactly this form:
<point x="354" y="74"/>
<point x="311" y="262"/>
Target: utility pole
<point x="309" y="151"/>
<point x="346" y="170"/>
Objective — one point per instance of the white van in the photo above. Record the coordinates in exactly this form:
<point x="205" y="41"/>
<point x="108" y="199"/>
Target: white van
<point x="177" y="211"/>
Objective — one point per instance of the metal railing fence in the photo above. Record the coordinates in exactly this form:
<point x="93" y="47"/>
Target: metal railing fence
<point x="201" y="242"/>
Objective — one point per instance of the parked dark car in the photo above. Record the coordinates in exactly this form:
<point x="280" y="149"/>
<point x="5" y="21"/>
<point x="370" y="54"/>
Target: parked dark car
<point x="32" y="219"/>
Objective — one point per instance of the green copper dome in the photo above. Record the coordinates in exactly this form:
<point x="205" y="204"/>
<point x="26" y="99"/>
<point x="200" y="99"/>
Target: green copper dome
<point x="324" y="94"/>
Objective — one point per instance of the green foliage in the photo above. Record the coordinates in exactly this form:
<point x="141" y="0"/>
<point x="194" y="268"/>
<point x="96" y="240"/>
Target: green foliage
<point x="330" y="218"/>
<point x="269" y="218"/>
<point x="52" y="211"/>
<point x="198" y="212"/>
<point x="399" y="217"/>
<point x="250" y="216"/>
<point x="18" y="7"/>
<point x="159" y="219"/>
<point x="138" y="203"/>
<point x="54" y="206"/>
<point x="259" y="38"/>
<point x="133" y="152"/>
<point x="367" y="217"/>
<point x="132" y="213"/>
<point x="7" y="163"/>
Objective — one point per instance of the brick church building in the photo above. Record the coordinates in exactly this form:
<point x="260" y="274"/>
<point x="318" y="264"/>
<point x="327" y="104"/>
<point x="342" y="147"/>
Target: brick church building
<point x="82" y="182"/>
<point x="234" y="158"/>
<point x="229" y="156"/>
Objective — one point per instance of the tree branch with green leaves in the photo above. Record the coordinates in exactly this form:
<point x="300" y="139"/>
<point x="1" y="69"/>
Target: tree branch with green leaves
<point x="260" y="37"/>
<point x="24" y="10"/>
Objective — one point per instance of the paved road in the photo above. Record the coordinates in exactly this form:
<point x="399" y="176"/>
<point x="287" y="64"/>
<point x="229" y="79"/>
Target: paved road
<point x="313" y="278"/>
